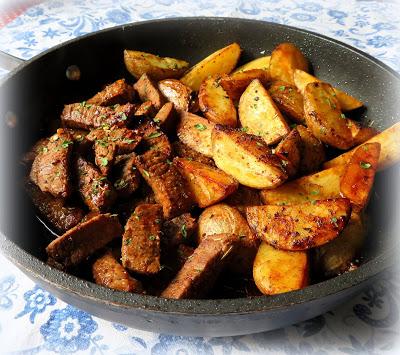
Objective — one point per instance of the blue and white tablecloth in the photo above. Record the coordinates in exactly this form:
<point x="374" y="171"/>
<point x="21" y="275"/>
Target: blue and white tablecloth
<point x="34" y="321"/>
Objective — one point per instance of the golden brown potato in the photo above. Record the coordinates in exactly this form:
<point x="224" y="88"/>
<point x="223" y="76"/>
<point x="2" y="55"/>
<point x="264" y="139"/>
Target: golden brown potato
<point x="360" y="133"/>
<point x="324" y="118"/>
<point x="236" y="83"/>
<point x="195" y="132"/>
<point x="176" y="92"/>
<point x="289" y="151"/>
<point x="215" y="103"/>
<point x="390" y="149"/>
<point x="259" y="115"/>
<point x="288" y="100"/>
<point x="258" y="63"/>
<point x="277" y="271"/>
<point x="359" y="174"/>
<point x="346" y="101"/>
<point x="244" y="197"/>
<point x="285" y="58"/>
<point x="247" y="158"/>
<point x="139" y="63"/>
<point x="220" y="62"/>
<point x="299" y="227"/>
<point x="208" y="185"/>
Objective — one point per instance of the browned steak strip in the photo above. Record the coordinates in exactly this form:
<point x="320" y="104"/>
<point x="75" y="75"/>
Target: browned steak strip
<point x="184" y="151"/>
<point x="96" y="191"/>
<point x="201" y="270"/>
<point x="108" y="272"/>
<point x="127" y="176"/>
<point x="146" y="109"/>
<point x="53" y="210"/>
<point x="83" y="240"/>
<point x="50" y="169"/>
<point x="30" y="155"/>
<point x="179" y="230"/>
<point x="154" y="139"/>
<point x="148" y="91"/>
<point x="141" y="240"/>
<point x="104" y="156"/>
<point x="118" y="92"/>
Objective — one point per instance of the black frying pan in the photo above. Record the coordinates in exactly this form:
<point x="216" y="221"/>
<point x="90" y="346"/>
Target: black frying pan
<point x="34" y="95"/>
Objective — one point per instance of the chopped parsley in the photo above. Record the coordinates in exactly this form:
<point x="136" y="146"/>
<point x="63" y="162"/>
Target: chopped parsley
<point x="342" y="115"/>
<point x="314" y="192"/>
<point x="365" y="165"/>
<point x="128" y="141"/>
<point x="152" y="237"/>
<point x="259" y="144"/>
<point x="293" y="125"/>
<point x="103" y="161"/>
<point x="282" y="88"/>
<point x="169" y="161"/>
<point x="102" y="142"/>
<point x="128" y="241"/>
<point x="84" y="104"/>
<point x="120" y="184"/>
<point x="45" y="149"/>
<point x="313" y="202"/>
<point x="154" y="135"/>
<point x="200" y="127"/>
<point x="123" y="116"/>
<point x="157" y="221"/>
<point x="145" y="172"/>
<point x="184" y="231"/>
<point x="334" y="221"/>
<point x="244" y="129"/>
<point x="156" y="120"/>
<point x="66" y="144"/>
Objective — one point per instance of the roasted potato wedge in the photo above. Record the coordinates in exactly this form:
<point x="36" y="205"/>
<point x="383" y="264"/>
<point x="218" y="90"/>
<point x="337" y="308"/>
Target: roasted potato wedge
<point x="195" y="132"/>
<point x="247" y="158"/>
<point x="220" y="62"/>
<point x="324" y="118"/>
<point x="277" y="271"/>
<point x="176" y="92"/>
<point x="244" y="197"/>
<point x="207" y="184"/>
<point x="235" y="84"/>
<point x="285" y="58"/>
<point x="346" y="101"/>
<point x="259" y="114"/>
<point x="358" y="178"/>
<point x="390" y="149"/>
<point x="288" y="100"/>
<point x="215" y="103"/>
<point x="258" y="63"/>
<point x="299" y="227"/>
<point x="289" y="150"/>
<point x="360" y="133"/>
<point x="139" y="63"/>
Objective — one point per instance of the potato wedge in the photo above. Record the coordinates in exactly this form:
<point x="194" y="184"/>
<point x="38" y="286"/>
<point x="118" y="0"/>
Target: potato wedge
<point x="176" y="92"/>
<point x="277" y="271"/>
<point x="215" y="103"/>
<point x="244" y="197"/>
<point x="302" y="226"/>
<point x="390" y="149"/>
<point x="208" y="185"/>
<point x="289" y="151"/>
<point x="259" y="114"/>
<point x="346" y="101"/>
<point x="235" y="84"/>
<point x="322" y="185"/>
<point x="288" y="100"/>
<point x="247" y="158"/>
<point x="195" y="132"/>
<point x="139" y="63"/>
<point x="285" y="58"/>
<point x="358" y="178"/>
<point x="360" y="133"/>
<point x="220" y="62"/>
<point x="258" y="63"/>
<point x="324" y="118"/>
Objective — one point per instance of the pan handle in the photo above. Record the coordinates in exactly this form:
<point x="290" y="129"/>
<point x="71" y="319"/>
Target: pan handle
<point x="8" y="61"/>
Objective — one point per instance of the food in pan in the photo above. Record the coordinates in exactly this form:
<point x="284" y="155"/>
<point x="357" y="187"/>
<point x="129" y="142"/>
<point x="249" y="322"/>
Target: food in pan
<point x="169" y="181"/>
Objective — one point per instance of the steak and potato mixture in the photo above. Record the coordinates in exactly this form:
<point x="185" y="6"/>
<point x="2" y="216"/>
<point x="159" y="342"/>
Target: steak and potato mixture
<point x="178" y="180"/>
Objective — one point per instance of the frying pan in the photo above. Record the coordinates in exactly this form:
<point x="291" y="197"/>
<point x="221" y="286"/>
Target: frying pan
<point x="33" y="95"/>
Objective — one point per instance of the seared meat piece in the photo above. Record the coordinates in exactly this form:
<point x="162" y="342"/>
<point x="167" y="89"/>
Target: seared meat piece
<point x="104" y="156"/>
<point x="141" y="240"/>
<point x="148" y="91"/>
<point x="38" y="147"/>
<point x="146" y="109"/>
<point x="118" y="92"/>
<point x="184" y="151"/>
<point x="184" y="252"/>
<point x="167" y="183"/>
<point x="83" y="240"/>
<point x="127" y="176"/>
<point x="202" y="268"/>
<point x="50" y="169"/>
<point x="179" y="230"/>
<point x="108" y="272"/>
<point x="154" y="139"/>
<point x="244" y="197"/>
<point x="53" y="210"/>
<point x="96" y="191"/>
<point x="166" y="117"/>
<point x="87" y="116"/>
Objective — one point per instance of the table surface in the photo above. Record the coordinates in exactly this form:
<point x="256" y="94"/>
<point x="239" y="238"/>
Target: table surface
<point x="34" y="321"/>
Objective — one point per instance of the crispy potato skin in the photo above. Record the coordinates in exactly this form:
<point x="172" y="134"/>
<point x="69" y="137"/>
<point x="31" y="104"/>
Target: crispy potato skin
<point x="159" y="68"/>
<point x="277" y="271"/>
<point x="302" y="226"/>
<point x="285" y="58"/>
<point x="259" y="114"/>
<point x="360" y="133"/>
<point x="289" y="150"/>
<point x="324" y="118"/>
<point x="258" y="63"/>
<point x="176" y="92"/>
<point x="247" y="158"/>
<point x="208" y="185"/>
<point x="220" y="62"/>
<point x="358" y="177"/>
<point x="215" y="103"/>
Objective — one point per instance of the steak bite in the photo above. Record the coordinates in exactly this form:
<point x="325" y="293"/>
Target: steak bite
<point x="179" y="230"/>
<point x="96" y="191"/>
<point x="155" y="139"/>
<point x="148" y="91"/>
<point x="83" y="240"/>
<point x="202" y="268"/>
<point x="166" y="117"/>
<point x="146" y="109"/>
<point x="32" y="153"/>
<point x="87" y="116"/>
<point x="118" y="92"/>
<point x="53" y="210"/>
<point x="141" y="240"/>
<point x="108" y="272"/>
<point x="50" y="169"/>
<point x="104" y="156"/>
<point x="127" y="177"/>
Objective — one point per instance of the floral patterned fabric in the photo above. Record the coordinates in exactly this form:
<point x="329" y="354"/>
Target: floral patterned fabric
<point x="34" y="321"/>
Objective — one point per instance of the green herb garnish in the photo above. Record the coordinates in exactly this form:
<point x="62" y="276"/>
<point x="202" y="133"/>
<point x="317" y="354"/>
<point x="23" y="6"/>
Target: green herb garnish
<point x="184" y="231"/>
<point x="365" y="165"/>
<point x="200" y="127"/>
<point x="154" y="135"/>
<point x="103" y="161"/>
